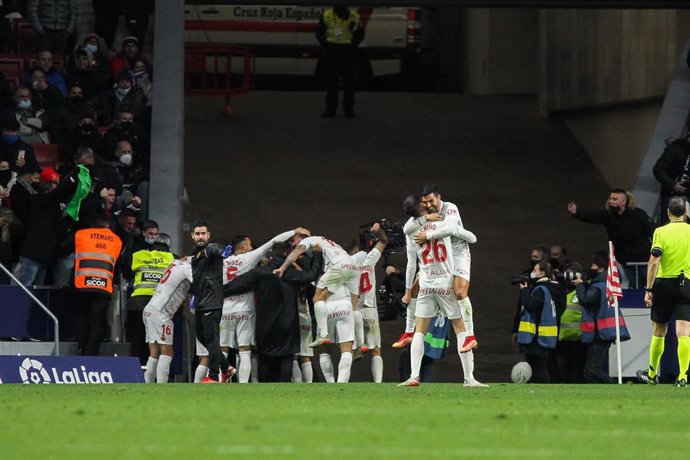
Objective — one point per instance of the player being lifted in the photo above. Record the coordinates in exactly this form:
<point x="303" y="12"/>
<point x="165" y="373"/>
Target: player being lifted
<point x="436" y="285"/>
<point x="238" y="321"/>
<point x="340" y="270"/>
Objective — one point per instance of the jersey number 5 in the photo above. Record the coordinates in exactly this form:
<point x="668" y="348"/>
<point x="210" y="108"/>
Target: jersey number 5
<point x="231" y="273"/>
<point x="434" y="251"/>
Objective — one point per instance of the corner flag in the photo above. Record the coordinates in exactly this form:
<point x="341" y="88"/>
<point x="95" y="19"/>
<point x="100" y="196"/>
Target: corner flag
<point x="613" y="292"/>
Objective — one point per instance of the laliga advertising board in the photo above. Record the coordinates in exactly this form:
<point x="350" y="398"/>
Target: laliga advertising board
<point x="70" y="369"/>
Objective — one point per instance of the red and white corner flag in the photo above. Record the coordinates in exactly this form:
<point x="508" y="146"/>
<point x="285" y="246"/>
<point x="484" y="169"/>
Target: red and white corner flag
<point x="613" y="292"/>
<point x="613" y="280"/>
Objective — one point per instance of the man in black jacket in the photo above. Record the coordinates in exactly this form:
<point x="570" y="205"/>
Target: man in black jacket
<point x="629" y="228"/>
<point x="277" y="324"/>
<point x="672" y="170"/>
<point x="207" y="288"/>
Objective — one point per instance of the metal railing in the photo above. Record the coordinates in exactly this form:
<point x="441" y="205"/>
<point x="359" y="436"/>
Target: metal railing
<point x="50" y="314"/>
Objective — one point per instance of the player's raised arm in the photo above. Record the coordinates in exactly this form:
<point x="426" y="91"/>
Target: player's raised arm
<point x="290" y="259"/>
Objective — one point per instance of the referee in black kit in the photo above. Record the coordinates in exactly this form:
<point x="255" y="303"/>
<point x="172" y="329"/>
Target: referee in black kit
<point x="668" y="291"/>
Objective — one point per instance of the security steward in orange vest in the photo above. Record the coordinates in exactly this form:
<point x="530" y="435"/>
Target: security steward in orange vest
<point x="96" y="252"/>
<point x="339" y="32"/>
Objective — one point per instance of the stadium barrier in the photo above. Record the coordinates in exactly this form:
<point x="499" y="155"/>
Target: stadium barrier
<point x="69" y="370"/>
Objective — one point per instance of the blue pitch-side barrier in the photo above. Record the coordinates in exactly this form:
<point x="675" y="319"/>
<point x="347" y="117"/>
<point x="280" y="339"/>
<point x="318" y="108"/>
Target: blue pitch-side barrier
<point x="69" y="370"/>
<point x="20" y="317"/>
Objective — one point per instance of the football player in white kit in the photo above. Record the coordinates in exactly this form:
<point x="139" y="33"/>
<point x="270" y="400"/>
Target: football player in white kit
<point x="340" y="270"/>
<point x="448" y="223"/>
<point x="238" y="320"/>
<point x="341" y="327"/>
<point x="367" y="300"/>
<point x="302" y="371"/>
<point x="169" y="296"/>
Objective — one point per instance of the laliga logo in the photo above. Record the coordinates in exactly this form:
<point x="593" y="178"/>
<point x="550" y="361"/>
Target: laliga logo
<point x="32" y="371"/>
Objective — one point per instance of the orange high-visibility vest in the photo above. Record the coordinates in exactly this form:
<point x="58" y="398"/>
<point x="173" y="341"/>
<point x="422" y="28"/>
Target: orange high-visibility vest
<point x="95" y="254"/>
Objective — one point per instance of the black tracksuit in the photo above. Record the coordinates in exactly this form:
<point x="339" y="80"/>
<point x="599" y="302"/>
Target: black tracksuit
<point x="277" y="324"/>
<point x="207" y="288"/>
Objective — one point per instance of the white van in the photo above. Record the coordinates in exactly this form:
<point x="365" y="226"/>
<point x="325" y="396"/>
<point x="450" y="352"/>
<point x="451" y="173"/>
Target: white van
<point x="283" y="40"/>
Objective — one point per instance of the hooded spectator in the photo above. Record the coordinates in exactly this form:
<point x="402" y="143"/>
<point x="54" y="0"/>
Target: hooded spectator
<point x="129" y="55"/>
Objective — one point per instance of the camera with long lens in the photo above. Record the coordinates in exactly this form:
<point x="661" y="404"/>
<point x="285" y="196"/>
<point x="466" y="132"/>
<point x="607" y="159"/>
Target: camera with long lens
<point x="396" y="236"/>
<point x="522" y="279"/>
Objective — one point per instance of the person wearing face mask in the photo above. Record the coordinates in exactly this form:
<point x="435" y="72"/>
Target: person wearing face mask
<point x="53" y="76"/>
<point x="126" y="128"/>
<point x="18" y="154"/>
<point x="597" y="333"/>
<point x="148" y="266"/>
<point x="538" y="328"/>
<point x="84" y="134"/>
<point x="628" y="227"/>
<point x="33" y="120"/>
<point x="127" y="97"/>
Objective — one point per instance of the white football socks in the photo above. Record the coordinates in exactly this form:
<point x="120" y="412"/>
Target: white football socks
<point x="466" y="310"/>
<point x="163" y="369"/>
<point x="307" y="372"/>
<point x="327" y="367"/>
<point x="466" y="359"/>
<point x="245" y="366"/>
<point x="296" y="372"/>
<point x="409" y="317"/>
<point x="377" y="368"/>
<point x="344" y="367"/>
<point x="150" y="372"/>
<point x="200" y="373"/>
<point x="321" y="317"/>
<point x="416" y="354"/>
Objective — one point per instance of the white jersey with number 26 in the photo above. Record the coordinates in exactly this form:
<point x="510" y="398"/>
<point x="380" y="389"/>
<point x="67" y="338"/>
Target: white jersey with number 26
<point x="172" y="288"/>
<point x="435" y="261"/>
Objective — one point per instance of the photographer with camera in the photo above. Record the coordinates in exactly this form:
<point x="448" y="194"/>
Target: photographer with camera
<point x="571" y="353"/>
<point x="592" y="296"/>
<point x="538" y="329"/>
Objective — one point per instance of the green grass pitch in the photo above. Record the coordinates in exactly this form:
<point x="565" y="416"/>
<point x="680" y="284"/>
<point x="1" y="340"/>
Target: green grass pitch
<point x="343" y="421"/>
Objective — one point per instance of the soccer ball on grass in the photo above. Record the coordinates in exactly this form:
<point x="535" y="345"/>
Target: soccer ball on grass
<point x="521" y="372"/>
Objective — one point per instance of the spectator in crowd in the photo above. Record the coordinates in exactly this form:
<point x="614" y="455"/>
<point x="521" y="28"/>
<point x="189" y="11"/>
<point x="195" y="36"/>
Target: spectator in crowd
<point x="70" y="113"/>
<point x="97" y="50"/>
<point x="107" y="13"/>
<point x="20" y="201"/>
<point x="54" y="22"/>
<point x="672" y="170"/>
<point x="94" y="273"/>
<point x="125" y="226"/>
<point x="148" y="267"/>
<point x="5" y="28"/>
<point x="16" y="152"/>
<point x="539" y="306"/>
<point x="137" y="17"/>
<point x="7" y="180"/>
<point x="85" y="134"/>
<point x="277" y="324"/>
<point x="48" y="97"/>
<point x="46" y="232"/>
<point x="143" y="80"/>
<point x="127" y="97"/>
<point x="6" y="94"/>
<point x="53" y="75"/>
<point x="95" y="81"/>
<point x="628" y="227"/>
<point x="128" y="56"/>
<point x="33" y="120"/>
<point x="125" y="129"/>
<point x="123" y="170"/>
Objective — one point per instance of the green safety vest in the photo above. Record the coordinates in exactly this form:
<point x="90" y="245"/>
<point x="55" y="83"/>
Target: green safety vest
<point x="339" y="31"/>
<point x="571" y="320"/>
<point x="148" y="267"/>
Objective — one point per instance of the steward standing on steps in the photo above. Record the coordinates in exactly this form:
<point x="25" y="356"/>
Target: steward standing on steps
<point x="148" y="267"/>
<point x="339" y="32"/>
<point x="95" y="254"/>
<point x="668" y="291"/>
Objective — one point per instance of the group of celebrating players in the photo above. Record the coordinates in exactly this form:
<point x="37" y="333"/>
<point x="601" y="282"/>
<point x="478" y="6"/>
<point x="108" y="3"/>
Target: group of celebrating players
<point x="344" y="302"/>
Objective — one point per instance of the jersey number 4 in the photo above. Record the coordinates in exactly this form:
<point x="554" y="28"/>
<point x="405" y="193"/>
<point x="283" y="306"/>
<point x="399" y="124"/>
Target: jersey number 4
<point x="434" y="251"/>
